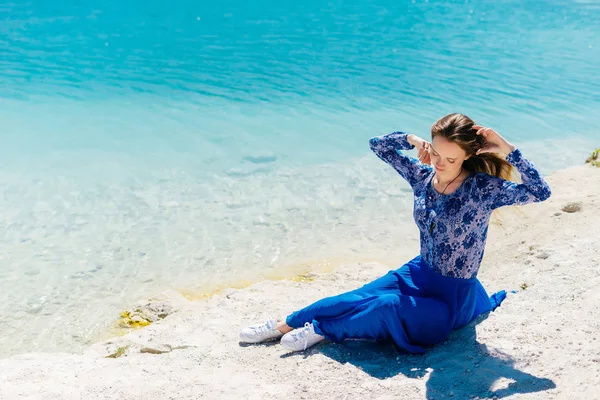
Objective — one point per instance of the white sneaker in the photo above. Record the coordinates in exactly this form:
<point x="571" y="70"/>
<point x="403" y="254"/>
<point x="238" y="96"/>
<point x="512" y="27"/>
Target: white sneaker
<point x="260" y="333"/>
<point x="301" y="339"/>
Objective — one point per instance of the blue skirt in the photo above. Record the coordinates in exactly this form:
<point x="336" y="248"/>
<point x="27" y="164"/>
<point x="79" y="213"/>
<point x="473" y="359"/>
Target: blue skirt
<point x="414" y="306"/>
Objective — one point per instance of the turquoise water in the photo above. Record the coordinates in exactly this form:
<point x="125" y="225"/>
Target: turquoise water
<point x="155" y="146"/>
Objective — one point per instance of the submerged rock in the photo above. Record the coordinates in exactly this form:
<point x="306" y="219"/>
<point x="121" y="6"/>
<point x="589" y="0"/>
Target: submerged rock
<point x="144" y="315"/>
<point x="594" y="158"/>
<point x="261" y="158"/>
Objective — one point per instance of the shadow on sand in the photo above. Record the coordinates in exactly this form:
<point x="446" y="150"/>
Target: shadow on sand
<point x="476" y="372"/>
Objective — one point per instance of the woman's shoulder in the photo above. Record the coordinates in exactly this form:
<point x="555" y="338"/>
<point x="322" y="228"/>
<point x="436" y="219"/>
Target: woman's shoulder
<point x="427" y="173"/>
<point x="485" y="186"/>
<point x="483" y="180"/>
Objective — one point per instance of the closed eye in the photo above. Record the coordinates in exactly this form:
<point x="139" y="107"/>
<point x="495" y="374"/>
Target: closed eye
<point x="450" y="160"/>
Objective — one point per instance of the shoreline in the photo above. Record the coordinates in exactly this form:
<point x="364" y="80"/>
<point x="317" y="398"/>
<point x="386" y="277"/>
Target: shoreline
<point x="542" y="341"/>
<point x="87" y="255"/>
<point x="140" y="315"/>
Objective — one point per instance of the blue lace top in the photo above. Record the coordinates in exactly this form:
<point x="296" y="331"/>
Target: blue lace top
<point x="454" y="226"/>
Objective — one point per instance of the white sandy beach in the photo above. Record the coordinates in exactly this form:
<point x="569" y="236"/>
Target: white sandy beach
<point x="542" y="343"/>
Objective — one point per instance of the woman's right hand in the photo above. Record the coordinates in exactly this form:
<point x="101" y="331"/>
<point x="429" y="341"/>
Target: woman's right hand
<point x="423" y="148"/>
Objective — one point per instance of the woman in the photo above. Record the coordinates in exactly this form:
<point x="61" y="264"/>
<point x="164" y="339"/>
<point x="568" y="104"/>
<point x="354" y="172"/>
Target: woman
<point x="419" y="304"/>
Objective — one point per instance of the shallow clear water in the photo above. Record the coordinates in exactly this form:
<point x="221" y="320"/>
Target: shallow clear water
<point x="187" y="146"/>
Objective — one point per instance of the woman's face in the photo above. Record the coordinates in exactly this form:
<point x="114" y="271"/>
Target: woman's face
<point x="446" y="156"/>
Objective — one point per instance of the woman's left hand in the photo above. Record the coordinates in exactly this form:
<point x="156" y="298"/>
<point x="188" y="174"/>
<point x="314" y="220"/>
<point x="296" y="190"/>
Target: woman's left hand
<point x="494" y="143"/>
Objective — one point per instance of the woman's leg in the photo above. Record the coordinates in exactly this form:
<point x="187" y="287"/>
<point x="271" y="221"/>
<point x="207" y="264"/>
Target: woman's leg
<point x="411" y="322"/>
<point x="338" y="306"/>
<point x="283" y="327"/>
<point x="325" y="308"/>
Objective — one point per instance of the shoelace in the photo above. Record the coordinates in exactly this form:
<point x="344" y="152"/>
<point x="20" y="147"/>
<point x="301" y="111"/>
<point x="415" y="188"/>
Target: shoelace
<point x="267" y="326"/>
<point x="304" y="334"/>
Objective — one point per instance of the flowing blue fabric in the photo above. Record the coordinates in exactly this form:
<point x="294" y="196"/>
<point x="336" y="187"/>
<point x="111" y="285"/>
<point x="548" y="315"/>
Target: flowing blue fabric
<point x="414" y="306"/>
